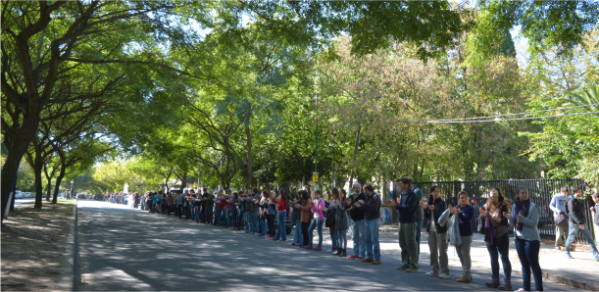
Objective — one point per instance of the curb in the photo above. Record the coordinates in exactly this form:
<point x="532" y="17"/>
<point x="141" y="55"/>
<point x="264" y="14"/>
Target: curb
<point x="69" y="281"/>
<point x="570" y="282"/>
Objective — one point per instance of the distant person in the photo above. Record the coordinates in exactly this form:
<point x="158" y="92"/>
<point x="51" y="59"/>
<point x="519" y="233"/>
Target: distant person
<point x="437" y="234"/>
<point x="342" y="223"/>
<point x="407" y="206"/>
<point x="578" y="222"/>
<point x="357" y="215"/>
<point x="558" y="206"/>
<point x="372" y="220"/>
<point x="465" y="212"/>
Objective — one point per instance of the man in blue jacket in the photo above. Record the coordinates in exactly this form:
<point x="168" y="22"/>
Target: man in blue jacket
<point x="407" y="205"/>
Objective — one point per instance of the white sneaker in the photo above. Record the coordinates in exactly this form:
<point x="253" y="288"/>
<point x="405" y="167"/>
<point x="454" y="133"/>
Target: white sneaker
<point x="432" y="274"/>
<point x="444" y="276"/>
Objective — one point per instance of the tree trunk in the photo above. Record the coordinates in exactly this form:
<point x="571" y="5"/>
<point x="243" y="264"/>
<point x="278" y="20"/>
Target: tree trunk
<point x="39" y="190"/>
<point x="16" y="150"/>
<point x="353" y="163"/>
<point x="248" y="135"/>
<point x="58" y="181"/>
<point x="49" y="179"/>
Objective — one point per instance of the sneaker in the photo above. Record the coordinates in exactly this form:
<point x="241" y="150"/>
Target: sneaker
<point x="352" y="257"/>
<point x="493" y="284"/>
<point x="506" y="286"/>
<point x="402" y="268"/>
<point x="444" y="276"/>
<point x="359" y="259"/>
<point x="432" y="274"/>
<point x="268" y="237"/>
<point x="412" y="270"/>
<point x="558" y="248"/>
<point x="376" y="262"/>
<point x="368" y="260"/>
<point x="568" y="255"/>
<point x="464" y="280"/>
<point x="597" y="257"/>
<point x="336" y="252"/>
<point x="309" y="247"/>
<point x="293" y="244"/>
<point x="318" y="248"/>
<point x="521" y="290"/>
<point x="330" y="250"/>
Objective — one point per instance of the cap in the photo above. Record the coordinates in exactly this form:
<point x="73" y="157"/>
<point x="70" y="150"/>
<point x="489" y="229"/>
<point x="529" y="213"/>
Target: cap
<point x="228" y="191"/>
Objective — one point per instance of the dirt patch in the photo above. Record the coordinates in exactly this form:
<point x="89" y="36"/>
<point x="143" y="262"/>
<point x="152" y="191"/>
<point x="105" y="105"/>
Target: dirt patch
<point x="578" y="246"/>
<point x="33" y="245"/>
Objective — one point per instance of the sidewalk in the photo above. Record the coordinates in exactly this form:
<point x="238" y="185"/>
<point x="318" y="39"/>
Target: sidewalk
<point x="580" y="272"/>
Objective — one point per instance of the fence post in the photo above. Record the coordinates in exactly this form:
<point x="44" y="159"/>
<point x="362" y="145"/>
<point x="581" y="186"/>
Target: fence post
<point x="456" y="190"/>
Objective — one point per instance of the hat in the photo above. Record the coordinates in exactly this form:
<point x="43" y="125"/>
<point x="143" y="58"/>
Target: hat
<point x="228" y="191"/>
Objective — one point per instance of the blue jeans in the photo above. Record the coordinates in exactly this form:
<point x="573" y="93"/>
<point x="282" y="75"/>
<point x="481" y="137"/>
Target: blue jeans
<point x="281" y="231"/>
<point x="372" y="239"/>
<point x="528" y="252"/>
<point x="500" y="247"/>
<point x="263" y="227"/>
<point x="196" y="213"/>
<point x="359" y="238"/>
<point x="254" y="221"/>
<point x="418" y="232"/>
<point x="227" y="218"/>
<point x="316" y="224"/>
<point x="574" y="228"/>
<point x="246" y="220"/>
<point x="297" y="235"/>
<point x="219" y="216"/>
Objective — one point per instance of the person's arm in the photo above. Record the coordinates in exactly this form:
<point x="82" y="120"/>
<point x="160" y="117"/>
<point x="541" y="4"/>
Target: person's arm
<point x="553" y="205"/>
<point x="410" y="205"/>
<point x="466" y="215"/>
<point x="503" y="219"/>
<point x="438" y="211"/>
<point x="532" y="219"/>
<point x="375" y="206"/>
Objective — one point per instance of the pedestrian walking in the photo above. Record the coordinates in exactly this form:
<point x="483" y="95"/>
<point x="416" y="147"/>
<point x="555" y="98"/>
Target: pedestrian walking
<point x="524" y="219"/>
<point x="495" y="228"/>
<point x="558" y="206"/>
<point x="578" y="222"/>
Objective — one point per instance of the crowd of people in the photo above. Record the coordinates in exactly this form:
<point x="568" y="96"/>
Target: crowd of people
<point x="254" y="212"/>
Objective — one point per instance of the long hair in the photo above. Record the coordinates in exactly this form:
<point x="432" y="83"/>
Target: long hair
<point x="335" y="193"/>
<point x="490" y="205"/>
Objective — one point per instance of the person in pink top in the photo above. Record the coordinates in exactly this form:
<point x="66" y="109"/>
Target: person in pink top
<point x="319" y="218"/>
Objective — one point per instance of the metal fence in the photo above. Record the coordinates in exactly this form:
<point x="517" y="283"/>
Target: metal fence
<point x="540" y="191"/>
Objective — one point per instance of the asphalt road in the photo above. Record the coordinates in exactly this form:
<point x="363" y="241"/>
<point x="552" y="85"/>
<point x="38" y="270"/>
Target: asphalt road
<point x="125" y="249"/>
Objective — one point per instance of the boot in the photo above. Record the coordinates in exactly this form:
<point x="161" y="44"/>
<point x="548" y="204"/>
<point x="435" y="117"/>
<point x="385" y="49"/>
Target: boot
<point x="494" y="283"/>
<point x="344" y="253"/>
<point x="506" y="286"/>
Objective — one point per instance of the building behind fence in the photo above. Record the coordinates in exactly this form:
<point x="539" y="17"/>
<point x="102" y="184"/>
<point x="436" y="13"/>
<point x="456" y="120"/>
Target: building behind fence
<point x="540" y="191"/>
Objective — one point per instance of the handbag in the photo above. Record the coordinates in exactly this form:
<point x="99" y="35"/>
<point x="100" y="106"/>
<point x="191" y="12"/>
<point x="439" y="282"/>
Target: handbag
<point x="480" y="224"/>
<point x="562" y="220"/>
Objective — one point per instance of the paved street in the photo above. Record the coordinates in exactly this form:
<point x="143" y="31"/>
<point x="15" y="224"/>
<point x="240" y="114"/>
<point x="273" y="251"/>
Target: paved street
<point x="125" y="249"/>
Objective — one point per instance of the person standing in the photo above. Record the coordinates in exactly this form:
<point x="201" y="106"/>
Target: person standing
<point x="407" y="206"/>
<point x="218" y="208"/>
<point x="372" y="220"/>
<point x="271" y="213"/>
<point x="281" y="215"/>
<point x="524" y="219"/>
<point x="203" y="197"/>
<point x="333" y="202"/>
<point x="298" y="238"/>
<point x="255" y="211"/>
<point x="419" y="217"/>
<point x="227" y="208"/>
<point x="357" y="215"/>
<point x="465" y="212"/>
<point x="495" y="226"/>
<point x="210" y="208"/>
<point x="578" y="222"/>
<point x="558" y="206"/>
<point x="437" y="234"/>
<point x="150" y="202"/>
<point x="305" y="207"/>
<point x="341" y="223"/>
<point x="317" y="209"/>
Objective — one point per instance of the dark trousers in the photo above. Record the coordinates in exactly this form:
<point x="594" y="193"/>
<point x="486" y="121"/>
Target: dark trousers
<point x="149" y="204"/>
<point x="500" y="247"/>
<point x="203" y="214"/>
<point x="178" y="210"/>
<point x="528" y="252"/>
<point x="305" y="233"/>
<point x="271" y="225"/>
